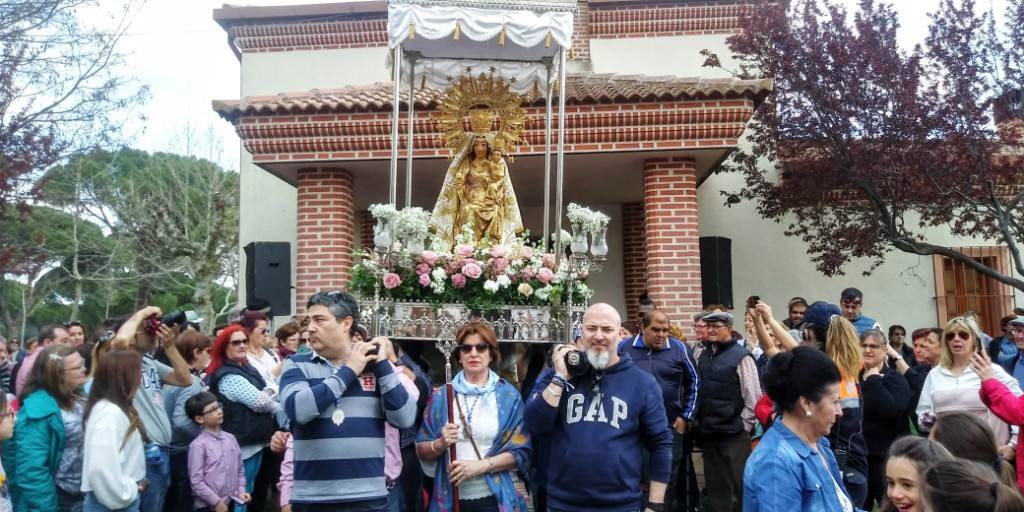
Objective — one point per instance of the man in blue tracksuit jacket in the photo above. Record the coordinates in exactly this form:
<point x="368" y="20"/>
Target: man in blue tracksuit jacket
<point x="600" y="424"/>
<point x="671" y="363"/>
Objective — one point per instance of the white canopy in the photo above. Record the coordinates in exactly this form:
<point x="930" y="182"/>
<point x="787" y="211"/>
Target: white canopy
<point x="514" y="37"/>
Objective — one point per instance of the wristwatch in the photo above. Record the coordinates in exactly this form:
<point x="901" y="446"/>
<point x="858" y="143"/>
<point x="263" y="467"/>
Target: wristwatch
<point x="656" y="507"/>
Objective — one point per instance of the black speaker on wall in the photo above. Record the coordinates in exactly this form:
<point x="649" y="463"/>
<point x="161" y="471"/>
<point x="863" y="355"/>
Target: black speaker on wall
<point x="268" y="275"/>
<point x="716" y="270"/>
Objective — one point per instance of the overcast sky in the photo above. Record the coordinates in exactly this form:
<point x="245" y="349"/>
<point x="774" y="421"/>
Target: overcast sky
<point x="177" y="49"/>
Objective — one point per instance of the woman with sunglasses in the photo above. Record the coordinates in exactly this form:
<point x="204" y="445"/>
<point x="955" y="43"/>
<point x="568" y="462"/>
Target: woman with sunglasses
<point x="487" y="431"/>
<point x="47" y="472"/>
<point x="249" y="404"/>
<point x="954" y="386"/>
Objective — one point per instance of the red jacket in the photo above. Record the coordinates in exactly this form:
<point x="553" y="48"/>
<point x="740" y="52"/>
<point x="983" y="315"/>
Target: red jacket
<point x="1002" y="402"/>
<point x="764" y="410"/>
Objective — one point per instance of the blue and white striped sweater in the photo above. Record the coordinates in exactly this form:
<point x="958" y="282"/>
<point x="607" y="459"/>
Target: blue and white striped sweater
<point x="341" y="463"/>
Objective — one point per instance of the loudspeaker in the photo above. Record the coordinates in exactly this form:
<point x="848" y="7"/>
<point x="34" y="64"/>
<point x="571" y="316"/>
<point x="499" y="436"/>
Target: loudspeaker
<point x="268" y="275"/>
<point x="716" y="270"/>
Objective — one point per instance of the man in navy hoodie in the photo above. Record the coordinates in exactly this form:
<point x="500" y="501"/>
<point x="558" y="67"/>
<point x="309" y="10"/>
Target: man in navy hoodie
<point x="599" y="425"/>
<point x="671" y="363"/>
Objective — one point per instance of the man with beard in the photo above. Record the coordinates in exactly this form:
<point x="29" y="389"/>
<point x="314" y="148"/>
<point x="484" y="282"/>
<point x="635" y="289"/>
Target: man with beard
<point x="729" y="391"/>
<point x="599" y="424"/>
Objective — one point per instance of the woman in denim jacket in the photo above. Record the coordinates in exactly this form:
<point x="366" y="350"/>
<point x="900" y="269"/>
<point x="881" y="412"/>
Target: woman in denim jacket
<point x="793" y="467"/>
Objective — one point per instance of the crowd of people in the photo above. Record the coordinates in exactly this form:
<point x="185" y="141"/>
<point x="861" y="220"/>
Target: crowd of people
<point x="820" y="411"/>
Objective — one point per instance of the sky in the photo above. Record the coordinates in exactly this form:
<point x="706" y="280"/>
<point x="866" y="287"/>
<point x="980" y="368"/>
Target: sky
<point x="176" y="48"/>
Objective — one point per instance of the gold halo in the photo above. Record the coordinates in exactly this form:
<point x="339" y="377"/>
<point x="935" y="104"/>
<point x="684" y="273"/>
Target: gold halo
<point x="478" y="103"/>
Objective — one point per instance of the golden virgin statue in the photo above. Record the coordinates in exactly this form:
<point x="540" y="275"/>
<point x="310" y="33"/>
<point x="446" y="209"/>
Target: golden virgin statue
<point x="477" y="191"/>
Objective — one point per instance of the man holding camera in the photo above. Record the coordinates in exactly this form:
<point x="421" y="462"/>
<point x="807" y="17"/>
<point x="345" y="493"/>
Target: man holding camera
<point x="337" y="411"/>
<point x="143" y="332"/>
<point x="600" y="416"/>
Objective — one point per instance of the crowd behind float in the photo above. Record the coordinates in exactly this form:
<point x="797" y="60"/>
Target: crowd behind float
<point x="823" y="410"/>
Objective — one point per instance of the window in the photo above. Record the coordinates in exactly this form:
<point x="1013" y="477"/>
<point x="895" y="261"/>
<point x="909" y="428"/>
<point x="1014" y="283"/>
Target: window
<point x="959" y="288"/>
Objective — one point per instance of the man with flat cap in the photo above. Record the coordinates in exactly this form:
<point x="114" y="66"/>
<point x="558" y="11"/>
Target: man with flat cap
<point x="729" y="391"/>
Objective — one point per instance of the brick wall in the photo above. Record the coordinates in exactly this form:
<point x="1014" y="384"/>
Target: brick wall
<point x="364" y="228"/>
<point x="672" y="236"/>
<point x="581" y="32"/>
<point x="669" y="19"/>
<point x="634" y="255"/>
<point x="325" y="232"/>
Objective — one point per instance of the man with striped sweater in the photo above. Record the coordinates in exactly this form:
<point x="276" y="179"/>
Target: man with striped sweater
<point x="337" y="399"/>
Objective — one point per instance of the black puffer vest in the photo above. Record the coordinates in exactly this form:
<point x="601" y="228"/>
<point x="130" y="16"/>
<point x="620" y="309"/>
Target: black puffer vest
<point x="248" y="426"/>
<point x="721" y="400"/>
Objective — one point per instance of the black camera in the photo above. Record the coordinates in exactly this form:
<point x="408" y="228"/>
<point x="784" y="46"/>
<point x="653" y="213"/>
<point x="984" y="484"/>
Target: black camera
<point x="172" y="319"/>
<point x="576" y="363"/>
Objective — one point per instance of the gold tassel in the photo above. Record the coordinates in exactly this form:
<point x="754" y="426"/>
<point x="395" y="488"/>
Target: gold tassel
<point x="412" y="31"/>
<point x="547" y="40"/>
<point x="423" y="82"/>
<point x="458" y="30"/>
<point x="572" y="53"/>
<point x="501" y="36"/>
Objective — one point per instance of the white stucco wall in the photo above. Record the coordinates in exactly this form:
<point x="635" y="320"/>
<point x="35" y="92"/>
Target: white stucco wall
<point x="658" y="56"/>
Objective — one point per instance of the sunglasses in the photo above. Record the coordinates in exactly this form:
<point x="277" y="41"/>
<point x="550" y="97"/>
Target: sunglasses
<point x="964" y="335"/>
<point x="479" y="348"/>
<point x="235" y="343"/>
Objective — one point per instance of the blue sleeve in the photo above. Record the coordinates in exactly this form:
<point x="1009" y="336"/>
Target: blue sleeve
<point x="657" y="436"/>
<point x="540" y="417"/>
<point x="32" y="450"/>
<point x="762" y="491"/>
<point x="302" y="402"/>
<point x="399" y="406"/>
<point x="416" y="370"/>
<point x="693" y="391"/>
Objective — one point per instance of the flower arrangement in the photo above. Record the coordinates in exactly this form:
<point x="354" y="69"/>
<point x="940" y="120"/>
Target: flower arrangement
<point x="588" y="219"/>
<point x="412" y="223"/>
<point x="480" y="276"/>
<point x="383" y="211"/>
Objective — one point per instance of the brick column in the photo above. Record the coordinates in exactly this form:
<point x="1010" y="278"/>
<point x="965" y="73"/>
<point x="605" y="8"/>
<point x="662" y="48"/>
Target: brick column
<point x="325" y="232"/>
<point x="364" y="228"/>
<point x="581" y="35"/>
<point x="634" y="255"/>
<point x="673" y="238"/>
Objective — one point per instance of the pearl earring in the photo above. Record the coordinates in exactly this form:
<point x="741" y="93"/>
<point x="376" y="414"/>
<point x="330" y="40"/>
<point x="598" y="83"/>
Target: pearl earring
<point x="808" y="412"/>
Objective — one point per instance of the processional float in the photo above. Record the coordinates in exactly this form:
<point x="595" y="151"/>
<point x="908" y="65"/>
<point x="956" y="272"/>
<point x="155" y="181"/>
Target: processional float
<point x="469" y="259"/>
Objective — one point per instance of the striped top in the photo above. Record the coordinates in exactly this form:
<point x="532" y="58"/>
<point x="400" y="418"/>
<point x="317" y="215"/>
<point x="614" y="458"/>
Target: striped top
<point x="341" y="463"/>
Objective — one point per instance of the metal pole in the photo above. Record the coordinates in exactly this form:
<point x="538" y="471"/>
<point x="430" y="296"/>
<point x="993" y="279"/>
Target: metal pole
<point x="560" y="179"/>
<point x="547" y="162"/>
<point x="409" y="136"/>
<point x="396" y="97"/>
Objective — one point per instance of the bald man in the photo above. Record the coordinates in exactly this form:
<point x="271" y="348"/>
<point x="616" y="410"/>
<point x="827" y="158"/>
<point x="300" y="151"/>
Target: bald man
<point x="600" y="424"/>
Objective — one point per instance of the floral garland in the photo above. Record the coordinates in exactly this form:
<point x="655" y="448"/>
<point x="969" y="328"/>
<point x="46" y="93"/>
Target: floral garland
<point x="586" y="218"/>
<point x="477" y="275"/>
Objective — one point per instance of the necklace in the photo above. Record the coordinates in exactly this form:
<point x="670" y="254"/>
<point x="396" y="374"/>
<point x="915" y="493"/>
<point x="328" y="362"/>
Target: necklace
<point x="467" y="428"/>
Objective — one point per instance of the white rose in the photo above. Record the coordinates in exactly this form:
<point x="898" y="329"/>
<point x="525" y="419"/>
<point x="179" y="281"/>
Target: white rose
<point x="491" y="286"/>
<point x="503" y="281"/>
<point x="543" y="293"/>
<point x="525" y="289"/>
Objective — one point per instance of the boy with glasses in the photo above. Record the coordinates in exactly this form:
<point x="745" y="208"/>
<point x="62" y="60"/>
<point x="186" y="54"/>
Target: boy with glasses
<point x="214" y="459"/>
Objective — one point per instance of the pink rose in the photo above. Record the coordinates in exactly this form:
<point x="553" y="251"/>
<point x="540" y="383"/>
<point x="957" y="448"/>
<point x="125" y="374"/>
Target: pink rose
<point x="499" y="264"/>
<point x="528" y="274"/>
<point x="472" y="270"/>
<point x="545" y="275"/>
<point x="429" y="257"/>
<point x="499" y="251"/>
<point x="527" y="252"/>
<point x="549" y="261"/>
<point x="422" y="269"/>
<point x="465" y="251"/>
<point x="424" y="279"/>
<point x="459" y="281"/>
<point x="392" y="280"/>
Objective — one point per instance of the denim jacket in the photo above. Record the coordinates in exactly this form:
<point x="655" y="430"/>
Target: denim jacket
<point x="783" y="473"/>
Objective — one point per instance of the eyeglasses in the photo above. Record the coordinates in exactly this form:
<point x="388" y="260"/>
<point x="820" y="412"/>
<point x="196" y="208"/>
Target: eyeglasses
<point x="7" y="414"/>
<point x="480" y="348"/>
<point x="964" y="335"/>
<point x="216" y="407"/>
<point x="868" y="346"/>
<point x="80" y="367"/>
<point x="1017" y="330"/>
<point x="263" y="330"/>
<point x="235" y="343"/>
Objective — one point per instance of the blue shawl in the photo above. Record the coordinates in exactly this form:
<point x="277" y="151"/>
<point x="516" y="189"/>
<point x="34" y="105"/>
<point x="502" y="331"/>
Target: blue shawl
<point x="512" y="438"/>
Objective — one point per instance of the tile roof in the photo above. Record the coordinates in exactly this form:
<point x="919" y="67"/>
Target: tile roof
<point x="583" y="88"/>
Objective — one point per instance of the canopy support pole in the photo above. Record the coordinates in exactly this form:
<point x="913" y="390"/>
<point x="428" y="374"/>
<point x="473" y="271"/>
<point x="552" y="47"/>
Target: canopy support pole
<point x="549" y="90"/>
<point x="560" y="179"/>
<point x="396" y="97"/>
<point x="409" y="137"/>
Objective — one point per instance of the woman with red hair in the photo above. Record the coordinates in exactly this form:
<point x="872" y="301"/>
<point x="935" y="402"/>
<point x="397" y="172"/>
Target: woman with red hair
<point x="249" y="404"/>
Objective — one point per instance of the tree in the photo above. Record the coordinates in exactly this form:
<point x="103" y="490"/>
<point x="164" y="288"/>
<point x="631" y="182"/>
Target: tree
<point x="870" y="145"/>
<point x="59" y="90"/>
<point x="177" y="215"/>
